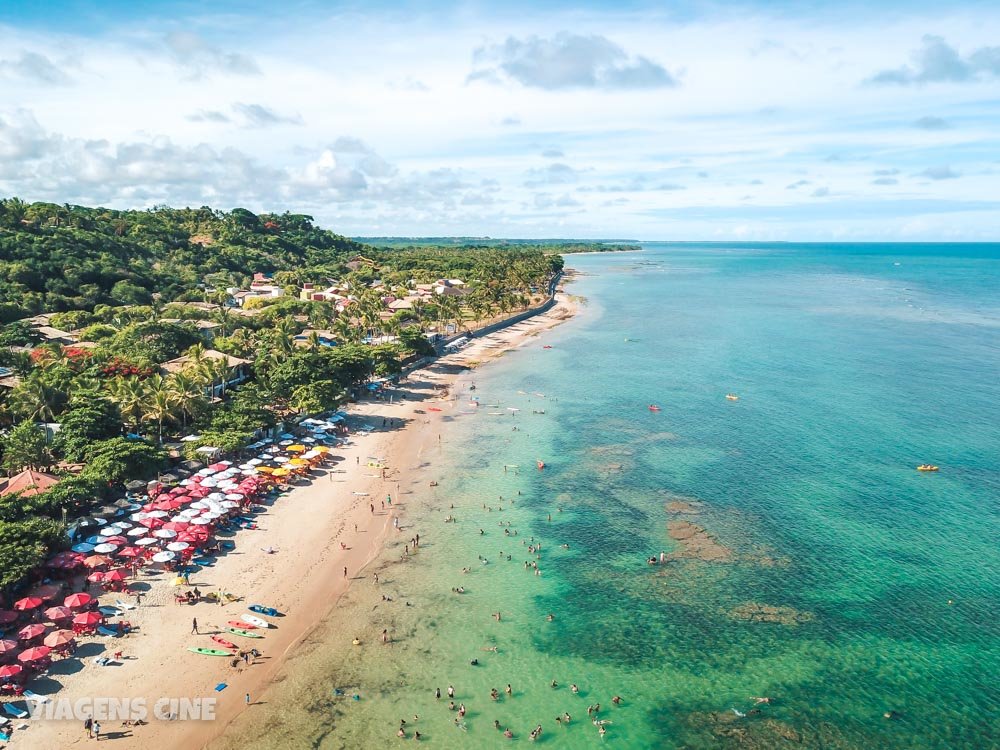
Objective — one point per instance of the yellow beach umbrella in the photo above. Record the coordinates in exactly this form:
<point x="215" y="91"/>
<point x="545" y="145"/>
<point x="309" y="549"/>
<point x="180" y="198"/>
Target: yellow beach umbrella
<point x="295" y="448"/>
<point x="298" y="462"/>
<point x="322" y="449"/>
<point x="282" y="472"/>
<point x="265" y="470"/>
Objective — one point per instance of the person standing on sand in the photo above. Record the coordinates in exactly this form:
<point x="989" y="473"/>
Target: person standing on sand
<point x="97" y="731"/>
<point x="372" y="506"/>
<point x="345" y="571"/>
<point x="194" y="625"/>
<point x="88" y="724"/>
<point x="246" y="699"/>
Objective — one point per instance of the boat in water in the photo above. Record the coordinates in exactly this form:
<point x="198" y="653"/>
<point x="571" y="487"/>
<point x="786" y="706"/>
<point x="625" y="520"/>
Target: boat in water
<point x="654" y="407"/>
<point x="732" y="397"/>
<point x="927" y="467"/>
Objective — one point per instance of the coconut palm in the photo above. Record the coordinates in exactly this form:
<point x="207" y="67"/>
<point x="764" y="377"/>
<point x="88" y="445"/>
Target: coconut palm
<point x="130" y="396"/>
<point x="36" y="399"/>
<point x="189" y="393"/>
<point x="159" y="403"/>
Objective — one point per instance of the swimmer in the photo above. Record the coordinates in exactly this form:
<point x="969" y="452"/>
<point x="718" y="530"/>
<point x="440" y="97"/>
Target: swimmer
<point x="617" y="700"/>
<point x="508" y="734"/>
<point x="574" y="689"/>
<point x="491" y="648"/>
<point x="758" y="701"/>
<point x="602" y="731"/>
<point x="508" y="689"/>
<point x="566" y="718"/>
<point x="553" y="684"/>
<point x="496" y="724"/>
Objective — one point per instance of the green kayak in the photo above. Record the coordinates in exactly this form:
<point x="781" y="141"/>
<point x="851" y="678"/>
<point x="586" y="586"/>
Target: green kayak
<point x="244" y="633"/>
<point x="210" y="651"/>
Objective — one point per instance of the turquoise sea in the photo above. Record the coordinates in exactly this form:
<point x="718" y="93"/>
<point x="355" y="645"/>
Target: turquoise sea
<point x="849" y="585"/>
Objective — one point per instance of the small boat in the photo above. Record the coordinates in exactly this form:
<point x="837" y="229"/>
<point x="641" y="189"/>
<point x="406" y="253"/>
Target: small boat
<point x="654" y="407"/>
<point x="260" y="609"/>
<point x="223" y="642"/>
<point x="541" y="464"/>
<point x="546" y="347"/>
<point x="241" y="624"/>
<point x="927" y="467"/>
<point x="244" y="632"/>
<point x="732" y="397"/>
<point x="210" y="651"/>
<point x="255" y="621"/>
<point x="432" y="408"/>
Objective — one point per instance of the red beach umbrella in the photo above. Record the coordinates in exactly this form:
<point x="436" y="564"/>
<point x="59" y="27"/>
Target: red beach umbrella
<point x="129" y="552"/>
<point x="176" y="525"/>
<point x="116" y="575"/>
<point x="7" y="645"/>
<point x="116" y="539"/>
<point x="58" y="638"/>
<point x="88" y="618"/>
<point x="58" y="613"/>
<point x="75" y="601"/>
<point x="11" y="670"/>
<point x="28" y="602"/>
<point x="28" y="632"/>
<point x="151" y="523"/>
<point x="7" y="617"/>
<point x="95" y="577"/>
<point x="34" y="654"/>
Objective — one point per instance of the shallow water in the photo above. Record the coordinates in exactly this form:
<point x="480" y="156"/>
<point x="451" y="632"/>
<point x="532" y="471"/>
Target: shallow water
<point x="851" y="370"/>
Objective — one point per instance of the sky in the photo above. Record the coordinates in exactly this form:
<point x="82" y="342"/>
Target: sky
<point x="801" y="121"/>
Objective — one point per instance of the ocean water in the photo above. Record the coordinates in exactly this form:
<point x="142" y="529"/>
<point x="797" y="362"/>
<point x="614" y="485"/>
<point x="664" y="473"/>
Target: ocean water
<point x="850" y="585"/>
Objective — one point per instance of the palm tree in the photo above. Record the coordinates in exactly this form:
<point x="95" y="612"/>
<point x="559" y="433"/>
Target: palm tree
<point x="159" y="404"/>
<point x="188" y="393"/>
<point x="130" y="396"/>
<point x="36" y="399"/>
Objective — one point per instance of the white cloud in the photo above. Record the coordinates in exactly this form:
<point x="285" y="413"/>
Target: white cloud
<point x="937" y="61"/>
<point x="259" y="116"/>
<point x="36" y="68"/>
<point x="200" y="58"/>
<point x="568" y="61"/>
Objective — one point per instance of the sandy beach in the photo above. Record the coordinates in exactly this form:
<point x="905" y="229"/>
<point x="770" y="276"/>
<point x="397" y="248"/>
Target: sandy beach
<point x="303" y="579"/>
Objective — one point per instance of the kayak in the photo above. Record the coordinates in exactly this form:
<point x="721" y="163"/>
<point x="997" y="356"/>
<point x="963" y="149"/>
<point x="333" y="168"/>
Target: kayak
<point x="223" y="642"/>
<point x="210" y="651"/>
<point x="255" y="621"/>
<point x="432" y="408"/>
<point x="241" y="624"/>
<point x="262" y="610"/>
<point x="244" y="633"/>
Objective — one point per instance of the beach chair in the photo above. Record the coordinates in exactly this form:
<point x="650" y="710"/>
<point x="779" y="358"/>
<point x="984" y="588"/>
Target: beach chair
<point x="12" y="710"/>
<point x="102" y="661"/>
<point x="36" y="697"/>
<point x="124" y="605"/>
<point x="103" y="630"/>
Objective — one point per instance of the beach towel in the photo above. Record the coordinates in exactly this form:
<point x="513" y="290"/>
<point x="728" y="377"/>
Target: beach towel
<point x="220" y="687"/>
<point x="14" y="711"/>
<point x="124" y="605"/>
<point x="107" y="631"/>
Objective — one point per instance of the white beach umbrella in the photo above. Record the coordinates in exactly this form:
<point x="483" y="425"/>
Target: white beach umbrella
<point x="200" y="521"/>
<point x="230" y="504"/>
<point x="254" y="462"/>
<point x="164" y="533"/>
<point x="138" y="516"/>
<point x="110" y="531"/>
<point x="105" y="549"/>
<point x="124" y="525"/>
<point x="157" y="514"/>
<point x="177" y="546"/>
<point x="165" y="556"/>
<point x="233" y="496"/>
<point x="137" y="531"/>
<point x="145" y="541"/>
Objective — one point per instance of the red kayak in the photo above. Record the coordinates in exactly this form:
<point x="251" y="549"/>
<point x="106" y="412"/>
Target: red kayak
<point x="432" y="408"/>
<point x="223" y="642"/>
<point x="546" y="347"/>
<point x="242" y="625"/>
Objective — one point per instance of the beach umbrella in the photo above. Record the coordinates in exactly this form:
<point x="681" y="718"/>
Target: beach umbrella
<point x="175" y="526"/>
<point x="58" y="613"/>
<point x="151" y="523"/>
<point x="7" y="645"/>
<point x="129" y="552"/>
<point x="95" y="577"/>
<point x="161" y="514"/>
<point x="106" y="548"/>
<point x="28" y="602"/>
<point x="200" y="521"/>
<point x="10" y="670"/>
<point x="49" y="591"/>
<point x="88" y="618"/>
<point x="230" y="504"/>
<point x="177" y="546"/>
<point x="295" y="448"/>
<point x="75" y="601"/>
<point x="116" y="575"/>
<point x="161" y="557"/>
<point x="164" y="534"/>
<point x="28" y="632"/>
<point x="123" y="525"/>
<point x="145" y="541"/>
<point x="83" y="547"/>
<point x="96" y="539"/>
<point x="124" y="504"/>
<point x="117" y="540"/>
<point x="58" y="638"/>
<point x="137" y="531"/>
<point x="109" y="530"/>
<point x="34" y="654"/>
<point x="7" y="617"/>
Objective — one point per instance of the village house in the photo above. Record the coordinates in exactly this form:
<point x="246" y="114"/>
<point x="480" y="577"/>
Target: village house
<point x="28" y="483"/>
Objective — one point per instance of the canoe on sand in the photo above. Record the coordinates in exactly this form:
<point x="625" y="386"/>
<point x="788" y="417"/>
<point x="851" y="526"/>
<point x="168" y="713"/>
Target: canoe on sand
<point x="255" y="621"/>
<point x="244" y="633"/>
<point x="223" y="642"/>
<point x="210" y="651"/>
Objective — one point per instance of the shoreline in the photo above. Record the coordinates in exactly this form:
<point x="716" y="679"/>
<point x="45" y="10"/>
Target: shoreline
<point x="304" y="579"/>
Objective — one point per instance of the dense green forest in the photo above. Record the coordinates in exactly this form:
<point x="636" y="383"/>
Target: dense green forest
<point x="138" y="289"/>
<point x="550" y="246"/>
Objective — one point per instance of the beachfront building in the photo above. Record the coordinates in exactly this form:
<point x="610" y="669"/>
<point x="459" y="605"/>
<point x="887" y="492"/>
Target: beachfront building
<point x="27" y="484"/>
<point x="237" y="370"/>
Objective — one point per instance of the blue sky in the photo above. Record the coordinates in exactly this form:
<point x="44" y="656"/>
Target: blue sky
<point x="693" y="120"/>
